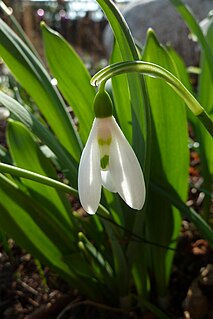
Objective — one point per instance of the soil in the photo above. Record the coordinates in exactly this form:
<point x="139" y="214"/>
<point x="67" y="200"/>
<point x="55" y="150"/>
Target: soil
<point x="30" y="291"/>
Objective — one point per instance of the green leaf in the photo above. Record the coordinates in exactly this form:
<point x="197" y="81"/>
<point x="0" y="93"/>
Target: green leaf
<point x="195" y="28"/>
<point x="121" y="97"/>
<point x="17" y="214"/>
<point x="205" y="97"/>
<point x="169" y="163"/>
<point x="186" y="212"/>
<point x="154" y="310"/>
<point x="27" y="154"/>
<point x="4" y="155"/>
<point x="16" y="211"/>
<point x="19" y="113"/>
<point x="183" y="75"/>
<point x="34" y="78"/>
<point x="16" y="26"/>
<point x="99" y="265"/>
<point x="72" y="77"/>
<point x="19" y="172"/>
<point x="121" y="269"/>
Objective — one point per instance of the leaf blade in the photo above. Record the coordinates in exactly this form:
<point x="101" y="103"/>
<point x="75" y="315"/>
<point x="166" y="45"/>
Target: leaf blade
<point x="34" y="78"/>
<point x="73" y="81"/>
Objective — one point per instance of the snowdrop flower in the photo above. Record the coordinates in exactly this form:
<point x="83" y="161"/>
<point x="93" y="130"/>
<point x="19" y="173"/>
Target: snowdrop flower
<point x="108" y="160"/>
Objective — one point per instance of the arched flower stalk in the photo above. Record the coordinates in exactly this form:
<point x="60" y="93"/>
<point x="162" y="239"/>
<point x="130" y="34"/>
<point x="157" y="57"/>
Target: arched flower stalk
<point x="109" y="160"/>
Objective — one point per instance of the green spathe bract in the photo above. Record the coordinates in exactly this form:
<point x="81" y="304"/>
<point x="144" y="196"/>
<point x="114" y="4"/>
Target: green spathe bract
<point x="102" y="104"/>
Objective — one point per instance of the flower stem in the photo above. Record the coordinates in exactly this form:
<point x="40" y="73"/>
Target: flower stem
<point x="23" y="173"/>
<point x="156" y="71"/>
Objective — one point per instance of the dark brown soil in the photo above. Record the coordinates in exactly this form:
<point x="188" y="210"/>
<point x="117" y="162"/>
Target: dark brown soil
<point x="30" y="291"/>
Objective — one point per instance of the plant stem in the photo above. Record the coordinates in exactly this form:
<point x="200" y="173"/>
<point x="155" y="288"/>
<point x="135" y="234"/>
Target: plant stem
<point x="156" y="71"/>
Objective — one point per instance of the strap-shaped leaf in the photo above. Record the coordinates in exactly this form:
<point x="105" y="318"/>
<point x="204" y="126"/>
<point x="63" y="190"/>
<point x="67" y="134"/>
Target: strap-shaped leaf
<point x="72" y="77"/>
<point x="16" y="213"/>
<point x="195" y="28"/>
<point x="169" y="163"/>
<point x="186" y="212"/>
<point x="27" y="154"/>
<point x="34" y="78"/>
<point x="68" y="164"/>
<point x="205" y="97"/>
<point x="121" y="97"/>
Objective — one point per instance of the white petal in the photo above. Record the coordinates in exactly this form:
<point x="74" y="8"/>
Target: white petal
<point x="107" y="181"/>
<point x="126" y="170"/>
<point x="89" y="175"/>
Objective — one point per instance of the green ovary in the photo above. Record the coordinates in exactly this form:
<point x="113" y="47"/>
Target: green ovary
<point x="104" y="161"/>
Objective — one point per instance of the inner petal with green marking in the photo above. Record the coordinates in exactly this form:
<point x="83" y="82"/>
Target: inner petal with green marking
<point x="104" y="161"/>
<point x="104" y="146"/>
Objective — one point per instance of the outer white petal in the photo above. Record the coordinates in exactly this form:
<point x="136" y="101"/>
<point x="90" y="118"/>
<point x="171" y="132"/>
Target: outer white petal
<point x="107" y="181"/>
<point x="89" y="175"/>
<point x="125" y="169"/>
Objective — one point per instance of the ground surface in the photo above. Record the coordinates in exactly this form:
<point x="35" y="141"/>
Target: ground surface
<point x="29" y="291"/>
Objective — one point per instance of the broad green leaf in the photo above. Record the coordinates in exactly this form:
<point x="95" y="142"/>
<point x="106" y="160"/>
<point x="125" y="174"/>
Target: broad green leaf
<point x="169" y="163"/>
<point x="16" y="26"/>
<point x="183" y="75"/>
<point x="34" y="78"/>
<point x="27" y="154"/>
<point x="19" y="113"/>
<point x="205" y="97"/>
<point x="72" y="77"/>
<point x="121" y="97"/>
<point x="195" y="28"/>
<point x="16" y="213"/>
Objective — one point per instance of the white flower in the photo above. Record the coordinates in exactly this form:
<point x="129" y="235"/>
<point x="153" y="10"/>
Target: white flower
<point x="109" y="160"/>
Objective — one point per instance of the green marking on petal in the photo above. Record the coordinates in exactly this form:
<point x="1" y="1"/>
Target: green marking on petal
<point x="102" y="142"/>
<point x="104" y="161"/>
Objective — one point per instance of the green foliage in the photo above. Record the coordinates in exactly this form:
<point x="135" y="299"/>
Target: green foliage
<point x="72" y="78"/>
<point x="169" y="138"/>
<point x="104" y="255"/>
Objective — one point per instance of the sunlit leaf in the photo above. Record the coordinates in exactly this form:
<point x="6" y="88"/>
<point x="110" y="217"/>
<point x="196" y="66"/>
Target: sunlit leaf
<point x="34" y="78"/>
<point x="169" y="163"/>
<point x="72" y="77"/>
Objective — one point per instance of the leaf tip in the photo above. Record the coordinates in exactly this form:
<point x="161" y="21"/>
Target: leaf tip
<point x="43" y="25"/>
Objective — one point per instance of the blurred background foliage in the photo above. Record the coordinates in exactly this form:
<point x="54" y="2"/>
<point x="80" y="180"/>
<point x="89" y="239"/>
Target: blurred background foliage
<point x="80" y="22"/>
